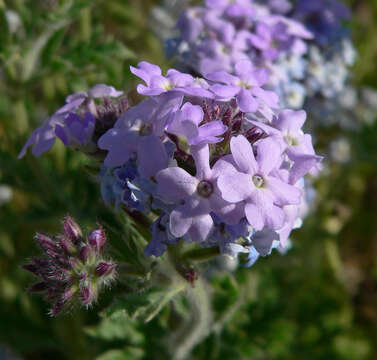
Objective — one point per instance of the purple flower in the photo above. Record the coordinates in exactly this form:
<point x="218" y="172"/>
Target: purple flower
<point x="190" y="24"/>
<point x="255" y="183"/>
<point x="42" y="139"/>
<point x="69" y="128"/>
<point x="151" y="156"/>
<point x="161" y="237"/>
<point x="270" y="40"/>
<point x="196" y="197"/>
<point x="157" y="84"/>
<point x="286" y="128"/>
<point x="246" y="87"/>
<point x="232" y="8"/>
<point x="76" y="129"/>
<point x="265" y="240"/>
<point x="187" y="122"/>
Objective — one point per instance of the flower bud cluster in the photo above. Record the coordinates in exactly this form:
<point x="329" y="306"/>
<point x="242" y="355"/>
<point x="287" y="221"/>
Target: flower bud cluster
<point x="73" y="269"/>
<point x="305" y="46"/>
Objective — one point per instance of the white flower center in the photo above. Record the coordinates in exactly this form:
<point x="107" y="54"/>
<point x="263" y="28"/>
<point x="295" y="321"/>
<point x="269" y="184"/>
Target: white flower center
<point x="205" y="189"/>
<point x="258" y="181"/>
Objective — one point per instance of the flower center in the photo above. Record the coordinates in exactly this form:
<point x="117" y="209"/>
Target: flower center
<point x="205" y="189"/>
<point x="258" y="181"/>
<point x="244" y="85"/>
<point x="291" y="141"/>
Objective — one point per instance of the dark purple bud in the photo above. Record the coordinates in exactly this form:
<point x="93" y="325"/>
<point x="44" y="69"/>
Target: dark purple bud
<point x="32" y="268"/>
<point x="38" y="287"/>
<point x="97" y="239"/>
<point x="46" y="243"/>
<point x="57" y="308"/>
<point x="67" y="245"/>
<point x="72" y="229"/>
<point x="69" y="293"/>
<point x="85" y="252"/>
<point x="105" y="269"/>
<point x="89" y="294"/>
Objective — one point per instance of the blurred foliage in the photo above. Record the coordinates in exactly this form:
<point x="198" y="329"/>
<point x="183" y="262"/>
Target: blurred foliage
<point x="319" y="301"/>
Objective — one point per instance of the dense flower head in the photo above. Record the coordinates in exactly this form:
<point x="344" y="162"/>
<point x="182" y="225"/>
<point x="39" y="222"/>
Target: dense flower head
<point x="72" y="270"/>
<point x="214" y="161"/>
<point x="303" y="45"/>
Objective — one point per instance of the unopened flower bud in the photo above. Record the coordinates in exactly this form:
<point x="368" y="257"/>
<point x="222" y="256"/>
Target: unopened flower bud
<point x="57" y="308"/>
<point x="89" y="294"/>
<point x="105" y="269"/>
<point x="46" y="243"/>
<point x="41" y="286"/>
<point x="32" y="268"/>
<point x="97" y="238"/>
<point x="69" y="293"/>
<point x="72" y="229"/>
<point x="84" y="253"/>
<point x="67" y="245"/>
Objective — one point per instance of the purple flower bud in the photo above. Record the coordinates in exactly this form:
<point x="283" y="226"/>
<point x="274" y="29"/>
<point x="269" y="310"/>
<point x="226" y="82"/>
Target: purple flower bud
<point x="85" y="252"/>
<point x="69" y="293"/>
<point x="72" y="230"/>
<point x="32" y="268"/>
<point x="67" y="245"/>
<point x="38" y="287"/>
<point x="97" y="238"/>
<point x="105" y="269"/>
<point x="89" y="294"/>
<point x="57" y="308"/>
<point x="46" y="243"/>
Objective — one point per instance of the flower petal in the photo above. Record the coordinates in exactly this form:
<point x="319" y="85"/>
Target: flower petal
<point x="284" y="194"/>
<point x="151" y="156"/>
<point x="175" y="184"/>
<point x="246" y="101"/>
<point x="243" y="154"/>
<point x="235" y="187"/>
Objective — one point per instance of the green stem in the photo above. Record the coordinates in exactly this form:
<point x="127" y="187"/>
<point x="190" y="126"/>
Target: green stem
<point x="130" y="270"/>
<point x="199" y="324"/>
<point x="85" y="24"/>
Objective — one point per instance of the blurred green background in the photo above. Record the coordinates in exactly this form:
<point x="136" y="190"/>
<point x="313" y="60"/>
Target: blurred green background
<point x="319" y="301"/>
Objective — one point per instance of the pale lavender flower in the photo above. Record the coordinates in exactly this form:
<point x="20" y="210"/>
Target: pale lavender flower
<point x="188" y="121"/>
<point x="255" y="183"/>
<point x="245" y="87"/>
<point x="286" y="128"/>
<point x="196" y="195"/>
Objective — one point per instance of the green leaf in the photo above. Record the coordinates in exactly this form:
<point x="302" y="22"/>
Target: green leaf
<point x="119" y="326"/>
<point x="144" y="305"/>
<point x="130" y="353"/>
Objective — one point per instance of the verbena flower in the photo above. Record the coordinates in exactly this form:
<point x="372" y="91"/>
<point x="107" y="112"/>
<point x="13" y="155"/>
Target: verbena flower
<point x="213" y="161"/>
<point x="304" y="45"/>
<point x="75" y="123"/>
<point x="73" y="270"/>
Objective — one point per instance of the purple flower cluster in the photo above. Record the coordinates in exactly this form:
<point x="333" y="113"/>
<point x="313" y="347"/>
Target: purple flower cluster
<point x="78" y="122"/>
<point x="73" y="269"/>
<point x="214" y="161"/>
<point x="217" y="159"/>
<point x="282" y="37"/>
